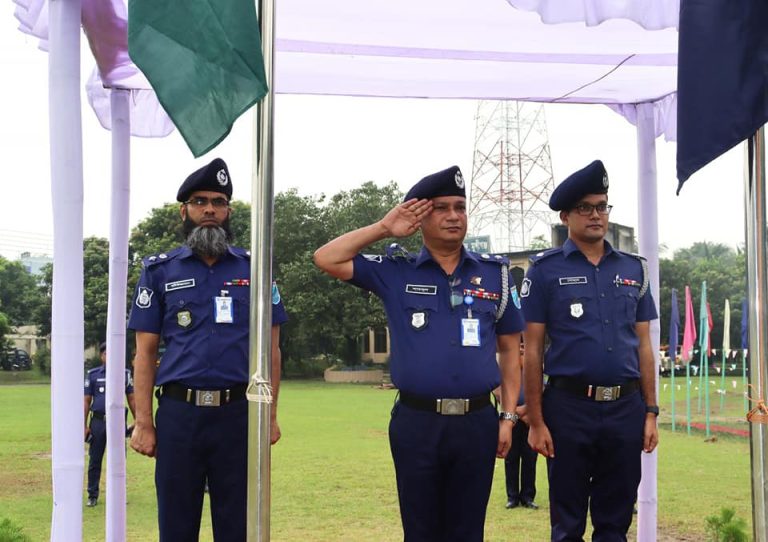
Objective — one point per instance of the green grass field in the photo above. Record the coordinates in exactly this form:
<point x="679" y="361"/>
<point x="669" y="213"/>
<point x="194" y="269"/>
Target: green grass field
<point x="332" y="474"/>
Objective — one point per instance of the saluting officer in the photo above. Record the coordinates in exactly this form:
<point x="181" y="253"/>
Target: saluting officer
<point x="598" y="410"/>
<point x="196" y="299"/>
<point x="449" y="312"/>
<point x="96" y="431"/>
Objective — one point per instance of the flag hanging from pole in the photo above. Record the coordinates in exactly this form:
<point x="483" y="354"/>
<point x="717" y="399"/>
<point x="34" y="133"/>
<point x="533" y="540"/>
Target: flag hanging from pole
<point x="710" y="326"/>
<point x="722" y="78"/>
<point x="204" y="61"/>
<point x="674" y="329"/>
<point x="704" y="320"/>
<point x="689" y="331"/>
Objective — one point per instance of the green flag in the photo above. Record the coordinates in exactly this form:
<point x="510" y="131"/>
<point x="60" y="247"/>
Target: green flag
<point x="203" y="59"/>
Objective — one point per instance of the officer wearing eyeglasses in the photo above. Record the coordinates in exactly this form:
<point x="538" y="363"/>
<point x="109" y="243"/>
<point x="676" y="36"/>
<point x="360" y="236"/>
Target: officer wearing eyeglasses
<point x="598" y="410"/>
<point x="196" y="299"/>
<point x="450" y="311"/>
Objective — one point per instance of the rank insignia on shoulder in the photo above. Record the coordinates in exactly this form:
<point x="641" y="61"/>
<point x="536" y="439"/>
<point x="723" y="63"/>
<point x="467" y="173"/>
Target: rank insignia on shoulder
<point x="373" y="257"/>
<point x="618" y="281"/>
<point x="184" y="318"/>
<point x="144" y="297"/>
<point x="419" y="320"/>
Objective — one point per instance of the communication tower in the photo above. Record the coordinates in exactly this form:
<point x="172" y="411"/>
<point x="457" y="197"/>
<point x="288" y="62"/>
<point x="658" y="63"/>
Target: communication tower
<point x="511" y="177"/>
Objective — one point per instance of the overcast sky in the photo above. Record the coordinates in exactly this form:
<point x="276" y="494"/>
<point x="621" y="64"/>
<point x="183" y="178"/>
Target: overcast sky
<point x="328" y="144"/>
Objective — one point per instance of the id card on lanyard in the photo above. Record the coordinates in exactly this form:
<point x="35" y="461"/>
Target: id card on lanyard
<point x="222" y="309"/>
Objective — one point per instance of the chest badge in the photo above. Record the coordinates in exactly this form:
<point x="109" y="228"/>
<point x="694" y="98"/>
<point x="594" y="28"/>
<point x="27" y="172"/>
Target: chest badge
<point x="577" y="310"/>
<point x="419" y="320"/>
<point x="476" y="281"/>
<point x="184" y="318"/>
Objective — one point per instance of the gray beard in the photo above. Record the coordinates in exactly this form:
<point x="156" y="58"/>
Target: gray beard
<point x="208" y="241"/>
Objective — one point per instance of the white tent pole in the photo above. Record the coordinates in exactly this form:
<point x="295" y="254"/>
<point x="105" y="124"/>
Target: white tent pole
<point x="648" y="241"/>
<point x="118" y="277"/>
<point x="67" y="305"/>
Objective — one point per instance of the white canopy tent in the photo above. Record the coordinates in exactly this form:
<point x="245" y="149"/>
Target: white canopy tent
<point x="478" y="49"/>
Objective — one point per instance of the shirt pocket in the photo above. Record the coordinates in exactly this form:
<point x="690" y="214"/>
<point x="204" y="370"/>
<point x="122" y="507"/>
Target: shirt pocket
<point x="626" y="303"/>
<point x="576" y="303"/>
<point x="184" y="310"/>
<point x="419" y="310"/>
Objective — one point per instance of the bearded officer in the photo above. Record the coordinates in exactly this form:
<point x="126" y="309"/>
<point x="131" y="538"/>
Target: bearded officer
<point x="196" y="300"/>
<point x="598" y="410"/>
<point x="450" y="311"/>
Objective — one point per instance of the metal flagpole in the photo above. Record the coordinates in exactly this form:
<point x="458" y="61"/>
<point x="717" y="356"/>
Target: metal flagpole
<point x="260" y="390"/>
<point x="757" y="287"/>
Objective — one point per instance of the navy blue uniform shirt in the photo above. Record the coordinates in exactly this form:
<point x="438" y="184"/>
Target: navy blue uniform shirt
<point x="95" y="386"/>
<point x="590" y="312"/>
<point x="427" y="356"/>
<point x="175" y="298"/>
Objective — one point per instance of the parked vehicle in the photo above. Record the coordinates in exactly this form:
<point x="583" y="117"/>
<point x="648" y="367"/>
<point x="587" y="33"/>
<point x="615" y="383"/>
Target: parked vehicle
<point x="15" y="359"/>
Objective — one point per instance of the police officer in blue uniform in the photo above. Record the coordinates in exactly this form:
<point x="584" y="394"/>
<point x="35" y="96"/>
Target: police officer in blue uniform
<point x="598" y="410"/>
<point x="196" y="299"/>
<point x="450" y="311"/>
<point x="520" y="464"/>
<point x="96" y="431"/>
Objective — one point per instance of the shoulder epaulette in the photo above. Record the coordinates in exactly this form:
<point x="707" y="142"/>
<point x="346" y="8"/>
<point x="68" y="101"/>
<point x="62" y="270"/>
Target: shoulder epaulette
<point x="395" y="251"/>
<point x="495" y="258"/>
<point x="539" y="256"/>
<point x="241" y="252"/>
<point x="636" y="256"/>
<point x="161" y="257"/>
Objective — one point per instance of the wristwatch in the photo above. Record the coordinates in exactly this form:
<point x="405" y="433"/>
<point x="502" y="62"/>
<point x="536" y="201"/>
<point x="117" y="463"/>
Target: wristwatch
<point x="510" y="416"/>
<point x="652" y="410"/>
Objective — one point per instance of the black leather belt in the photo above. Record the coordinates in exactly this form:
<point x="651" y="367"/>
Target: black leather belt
<point x="97" y="415"/>
<point x="592" y="391"/>
<point x="204" y="398"/>
<point x="446" y="406"/>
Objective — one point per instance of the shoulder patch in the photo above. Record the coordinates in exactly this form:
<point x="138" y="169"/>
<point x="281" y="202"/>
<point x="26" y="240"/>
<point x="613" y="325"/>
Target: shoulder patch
<point x="395" y="251"/>
<point x="540" y="256"/>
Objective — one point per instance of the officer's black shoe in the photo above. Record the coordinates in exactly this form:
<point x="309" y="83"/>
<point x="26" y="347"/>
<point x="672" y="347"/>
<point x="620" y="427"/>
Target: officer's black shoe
<point x="92" y="501"/>
<point x="512" y="504"/>
<point x="530" y="504"/>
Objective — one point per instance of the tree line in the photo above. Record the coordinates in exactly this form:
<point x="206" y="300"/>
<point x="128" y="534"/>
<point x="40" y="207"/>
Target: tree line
<point x="326" y="317"/>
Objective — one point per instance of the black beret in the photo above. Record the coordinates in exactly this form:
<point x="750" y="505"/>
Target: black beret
<point x="592" y="179"/>
<point x="448" y="182"/>
<point x="214" y="177"/>
<point x="103" y="347"/>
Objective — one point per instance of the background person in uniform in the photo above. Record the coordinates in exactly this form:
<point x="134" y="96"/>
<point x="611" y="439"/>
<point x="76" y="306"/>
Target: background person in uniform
<point x="96" y="431"/>
<point x="520" y="464"/>
<point x="449" y="312"/>
<point x="196" y="299"/>
<point x="598" y="411"/>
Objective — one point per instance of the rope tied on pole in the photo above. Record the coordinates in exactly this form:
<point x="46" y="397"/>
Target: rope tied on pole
<point x="758" y="414"/>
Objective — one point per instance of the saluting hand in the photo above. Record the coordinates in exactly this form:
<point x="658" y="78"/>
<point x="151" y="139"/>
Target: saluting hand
<point x="540" y="440"/>
<point x="144" y="439"/>
<point x="405" y="219"/>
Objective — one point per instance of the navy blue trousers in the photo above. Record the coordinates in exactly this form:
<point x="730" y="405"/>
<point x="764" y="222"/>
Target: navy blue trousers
<point x="444" y="467"/>
<point x="596" y="464"/>
<point x="195" y="444"/>
<point x="95" y="455"/>
<point x="520" y="467"/>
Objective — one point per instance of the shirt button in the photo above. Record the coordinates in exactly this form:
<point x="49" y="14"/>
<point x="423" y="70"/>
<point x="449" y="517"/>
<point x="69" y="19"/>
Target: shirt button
<point x="597" y="269"/>
<point x="607" y="321"/>
<point x="602" y="295"/>
<point x="610" y="349"/>
<point x="453" y="343"/>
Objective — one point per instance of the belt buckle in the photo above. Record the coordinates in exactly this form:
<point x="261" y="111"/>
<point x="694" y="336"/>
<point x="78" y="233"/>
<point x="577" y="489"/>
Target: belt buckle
<point x="607" y="393"/>
<point x="452" y="407"/>
<point x="207" y="398"/>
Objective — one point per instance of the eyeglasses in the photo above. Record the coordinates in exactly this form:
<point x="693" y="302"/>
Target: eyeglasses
<point x="218" y="203"/>
<point x="586" y="209"/>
